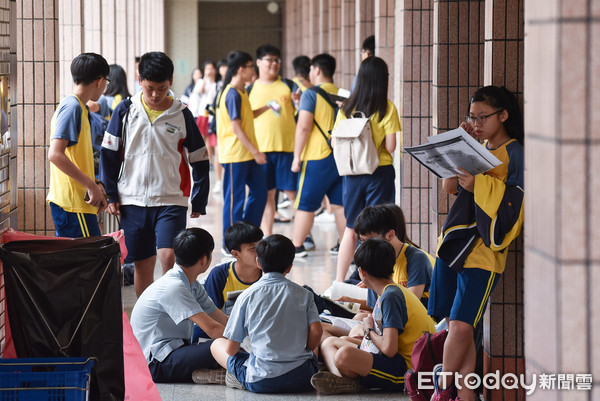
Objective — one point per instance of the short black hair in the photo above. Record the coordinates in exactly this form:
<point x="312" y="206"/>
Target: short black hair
<point x="266" y="50"/>
<point x="275" y="253"/>
<point x="376" y="219"/>
<point x="369" y="45"/>
<point x="191" y="244"/>
<point x="376" y="257"/>
<point x="326" y="62"/>
<point x="242" y="232"/>
<point x="301" y="66"/>
<point x="156" y="67"/>
<point x="88" y="67"/>
<point x="235" y="60"/>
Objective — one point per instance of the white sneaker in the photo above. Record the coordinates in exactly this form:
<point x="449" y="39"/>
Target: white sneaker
<point x="285" y="202"/>
<point x="325" y="217"/>
<point x="309" y="244"/>
<point x="233" y="382"/>
<point x="209" y="376"/>
<point x="218" y="187"/>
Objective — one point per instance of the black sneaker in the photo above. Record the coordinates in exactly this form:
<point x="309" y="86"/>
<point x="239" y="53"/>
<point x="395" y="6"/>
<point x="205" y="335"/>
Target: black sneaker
<point x="300" y="251"/>
<point x="335" y="250"/>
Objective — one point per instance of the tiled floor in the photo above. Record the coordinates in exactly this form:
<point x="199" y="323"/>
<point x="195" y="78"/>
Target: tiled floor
<point x="317" y="270"/>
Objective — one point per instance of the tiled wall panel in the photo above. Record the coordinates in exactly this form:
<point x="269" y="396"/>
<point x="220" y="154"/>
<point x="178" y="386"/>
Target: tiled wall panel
<point x="562" y="261"/>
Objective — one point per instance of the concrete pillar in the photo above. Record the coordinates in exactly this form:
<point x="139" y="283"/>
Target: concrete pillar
<point x="503" y="337"/>
<point x="458" y="38"/>
<point x="414" y="87"/>
<point x="347" y="63"/>
<point x="562" y="212"/>
<point x="37" y="93"/>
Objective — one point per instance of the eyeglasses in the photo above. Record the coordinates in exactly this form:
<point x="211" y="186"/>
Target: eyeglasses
<point x="271" y="60"/>
<point x="481" y="119"/>
<point x="249" y="66"/>
<point x="107" y="80"/>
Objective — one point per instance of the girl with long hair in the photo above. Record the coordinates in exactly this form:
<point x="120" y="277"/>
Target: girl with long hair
<point x="370" y="98"/>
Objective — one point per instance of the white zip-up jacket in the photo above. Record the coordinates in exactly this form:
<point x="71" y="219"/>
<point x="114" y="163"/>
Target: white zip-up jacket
<point x="149" y="165"/>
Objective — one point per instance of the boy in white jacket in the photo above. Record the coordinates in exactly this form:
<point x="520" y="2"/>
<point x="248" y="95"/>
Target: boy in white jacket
<point x="149" y="144"/>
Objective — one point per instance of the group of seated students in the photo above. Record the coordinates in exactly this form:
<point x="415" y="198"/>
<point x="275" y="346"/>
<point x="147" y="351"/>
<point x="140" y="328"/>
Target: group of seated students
<point x="270" y="339"/>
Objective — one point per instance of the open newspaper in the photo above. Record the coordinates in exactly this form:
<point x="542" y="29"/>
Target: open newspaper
<point x="444" y="153"/>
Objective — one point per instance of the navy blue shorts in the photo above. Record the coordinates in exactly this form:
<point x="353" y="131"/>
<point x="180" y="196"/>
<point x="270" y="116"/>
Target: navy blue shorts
<point x="74" y="225"/>
<point x="461" y="296"/>
<point x="178" y="366"/>
<point x="295" y="381"/>
<point x="148" y="228"/>
<point x="365" y="190"/>
<point x="318" y="178"/>
<point x="386" y="374"/>
<point x="278" y="171"/>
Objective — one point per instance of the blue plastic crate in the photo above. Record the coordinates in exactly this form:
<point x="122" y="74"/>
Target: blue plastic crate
<point x="52" y="379"/>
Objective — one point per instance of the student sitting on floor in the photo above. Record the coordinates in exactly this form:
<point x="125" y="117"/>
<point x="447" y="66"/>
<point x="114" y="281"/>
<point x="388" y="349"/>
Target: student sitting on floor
<point x="381" y="358"/>
<point x="163" y="316"/>
<point x="281" y="319"/>
<point x="413" y="266"/>
<point x="235" y="275"/>
<point x="241" y="239"/>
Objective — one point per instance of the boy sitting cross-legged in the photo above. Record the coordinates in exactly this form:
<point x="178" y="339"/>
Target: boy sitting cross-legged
<point x="281" y="319"/>
<point x="163" y="316"/>
<point x="382" y="357"/>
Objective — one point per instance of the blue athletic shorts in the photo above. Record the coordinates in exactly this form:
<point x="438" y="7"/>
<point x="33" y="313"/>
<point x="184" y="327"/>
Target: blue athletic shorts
<point x="365" y="190"/>
<point x="148" y="228"/>
<point x="278" y="171"/>
<point x="386" y="374"/>
<point x="318" y="178"/>
<point x="74" y="225"/>
<point x="461" y="296"/>
<point x="295" y="381"/>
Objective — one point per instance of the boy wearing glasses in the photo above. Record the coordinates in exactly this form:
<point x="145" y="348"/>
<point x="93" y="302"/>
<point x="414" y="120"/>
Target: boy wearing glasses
<point x="75" y="197"/>
<point x="238" y="150"/>
<point x="150" y="143"/>
<point x="274" y="129"/>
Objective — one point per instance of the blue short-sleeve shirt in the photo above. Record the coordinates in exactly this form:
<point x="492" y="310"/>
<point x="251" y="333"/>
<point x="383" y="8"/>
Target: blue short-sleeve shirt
<point x="275" y="313"/>
<point x="233" y="102"/>
<point x="68" y="120"/>
<point x="160" y="317"/>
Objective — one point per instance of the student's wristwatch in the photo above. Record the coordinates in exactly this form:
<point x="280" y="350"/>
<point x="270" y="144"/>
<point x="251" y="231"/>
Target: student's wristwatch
<point x="367" y="333"/>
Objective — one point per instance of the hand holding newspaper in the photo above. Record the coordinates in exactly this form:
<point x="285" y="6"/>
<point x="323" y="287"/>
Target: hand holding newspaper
<point x="444" y="153"/>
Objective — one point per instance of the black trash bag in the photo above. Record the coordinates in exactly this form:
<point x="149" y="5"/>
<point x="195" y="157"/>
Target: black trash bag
<point x="64" y="300"/>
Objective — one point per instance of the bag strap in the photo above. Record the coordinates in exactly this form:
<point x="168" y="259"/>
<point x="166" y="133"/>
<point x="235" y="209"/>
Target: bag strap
<point x="434" y="357"/>
<point x="323" y="94"/>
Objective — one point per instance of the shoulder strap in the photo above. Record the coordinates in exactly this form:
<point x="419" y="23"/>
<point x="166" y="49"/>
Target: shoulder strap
<point x="324" y="95"/>
<point x="289" y="83"/>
